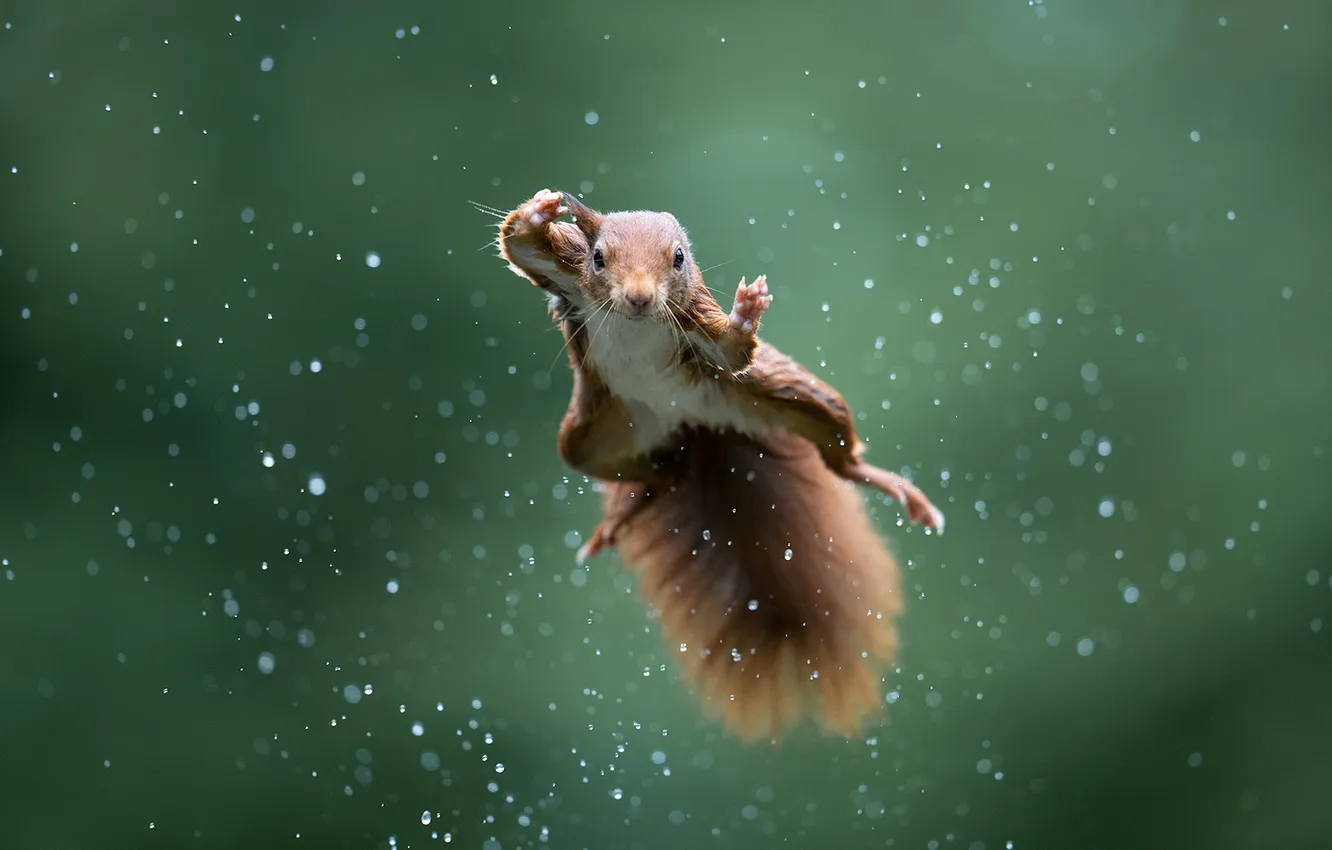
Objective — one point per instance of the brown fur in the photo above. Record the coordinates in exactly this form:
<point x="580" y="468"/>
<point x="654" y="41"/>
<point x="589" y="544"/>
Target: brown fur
<point x="703" y="548"/>
<point x="823" y="627"/>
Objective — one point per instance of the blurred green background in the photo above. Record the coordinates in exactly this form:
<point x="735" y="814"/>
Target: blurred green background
<point x="1063" y="257"/>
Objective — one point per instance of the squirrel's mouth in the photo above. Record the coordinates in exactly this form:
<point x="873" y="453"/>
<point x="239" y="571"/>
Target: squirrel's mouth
<point x="638" y="312"/>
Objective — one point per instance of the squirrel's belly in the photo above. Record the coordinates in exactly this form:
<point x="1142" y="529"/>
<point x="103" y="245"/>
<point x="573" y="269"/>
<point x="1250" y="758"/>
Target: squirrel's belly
<point x="666" y="405"/>
<point x="636" y="360"/>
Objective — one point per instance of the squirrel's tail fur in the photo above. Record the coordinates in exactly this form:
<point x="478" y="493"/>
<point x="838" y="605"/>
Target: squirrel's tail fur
<point x="770" y="579"/>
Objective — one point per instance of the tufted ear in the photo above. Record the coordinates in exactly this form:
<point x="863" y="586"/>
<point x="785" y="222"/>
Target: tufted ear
<point x="587" y="219"/>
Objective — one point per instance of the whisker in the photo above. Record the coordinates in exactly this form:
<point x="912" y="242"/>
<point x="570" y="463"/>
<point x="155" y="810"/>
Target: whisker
<point x="500" y="214"/>
<point x="684" y="342"/>
<point x="565" y="345"/>
<point x="714" y="292"/>
<point x="604" y="319"/>
<point x="717" y="266"/>
<point x="571" y="337"/>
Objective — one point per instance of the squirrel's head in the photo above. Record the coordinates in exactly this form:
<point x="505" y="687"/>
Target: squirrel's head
<point x="637" y="264"/>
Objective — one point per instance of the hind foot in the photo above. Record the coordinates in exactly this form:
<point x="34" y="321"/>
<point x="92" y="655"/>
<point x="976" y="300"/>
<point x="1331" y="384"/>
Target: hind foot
<point x="631" y="502"/>
<point x="602" y="536"/>
<point x="920" y="510"/>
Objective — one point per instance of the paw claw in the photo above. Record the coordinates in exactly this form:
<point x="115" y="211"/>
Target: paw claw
<point x="923" y="512"/>
<point x="932" y="518"/>
<point x="544" y="207"/>
<point x="751" y="300"/>
<point x="602" y="536"/>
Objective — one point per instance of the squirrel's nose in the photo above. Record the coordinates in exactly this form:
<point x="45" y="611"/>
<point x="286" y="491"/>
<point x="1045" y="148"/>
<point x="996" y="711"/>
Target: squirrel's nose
<point x="639" y="300"/>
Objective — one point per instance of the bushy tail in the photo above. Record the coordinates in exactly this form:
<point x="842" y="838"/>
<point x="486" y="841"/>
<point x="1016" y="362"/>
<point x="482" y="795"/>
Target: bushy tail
<point x="771" y="580"/>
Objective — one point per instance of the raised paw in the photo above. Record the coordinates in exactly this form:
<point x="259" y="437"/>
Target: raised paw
<point x="750" y="302"/>
<point x="544" y="207"/>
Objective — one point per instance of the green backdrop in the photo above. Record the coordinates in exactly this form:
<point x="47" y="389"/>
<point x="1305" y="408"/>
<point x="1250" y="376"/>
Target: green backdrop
<point x="1067" y="260"/>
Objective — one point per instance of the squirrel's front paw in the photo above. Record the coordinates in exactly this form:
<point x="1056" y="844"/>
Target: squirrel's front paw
<point x="544" y="207"/>
<point x="750" y="302"/>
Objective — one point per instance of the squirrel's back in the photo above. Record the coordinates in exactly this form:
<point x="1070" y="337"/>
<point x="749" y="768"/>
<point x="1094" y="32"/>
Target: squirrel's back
<point x="769" y="576"/>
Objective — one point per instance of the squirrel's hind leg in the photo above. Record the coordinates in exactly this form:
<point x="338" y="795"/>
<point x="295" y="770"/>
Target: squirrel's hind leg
<point x="797" y="401"/>
<point x="919" y="507"/>
<point x="622" y="502"/>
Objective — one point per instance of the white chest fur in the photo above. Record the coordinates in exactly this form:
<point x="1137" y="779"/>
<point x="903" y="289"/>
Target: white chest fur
<point x="635" y="359"/>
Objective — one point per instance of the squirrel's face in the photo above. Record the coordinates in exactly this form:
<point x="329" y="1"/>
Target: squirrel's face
<point x="639" y="265"/>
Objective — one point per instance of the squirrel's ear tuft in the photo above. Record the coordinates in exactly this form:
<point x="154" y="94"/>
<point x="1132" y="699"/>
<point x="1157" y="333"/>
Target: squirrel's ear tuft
<point x="587" y="219"/>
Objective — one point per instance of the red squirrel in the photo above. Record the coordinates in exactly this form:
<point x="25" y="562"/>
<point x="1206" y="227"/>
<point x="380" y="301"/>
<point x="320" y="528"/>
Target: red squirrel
<point x="727" y="472"/>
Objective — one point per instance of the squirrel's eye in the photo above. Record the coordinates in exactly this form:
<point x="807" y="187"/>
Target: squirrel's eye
<point x="598" y="259"/>
<point x="679" y="259"/>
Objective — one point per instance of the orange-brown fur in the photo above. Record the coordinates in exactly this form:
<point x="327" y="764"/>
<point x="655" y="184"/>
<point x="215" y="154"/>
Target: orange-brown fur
<point x="717" y="540"/>
<point x="706" y="517"/>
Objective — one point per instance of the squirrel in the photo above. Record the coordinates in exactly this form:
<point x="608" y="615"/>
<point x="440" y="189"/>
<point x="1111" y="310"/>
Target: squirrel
<point x="727" y="472"/>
